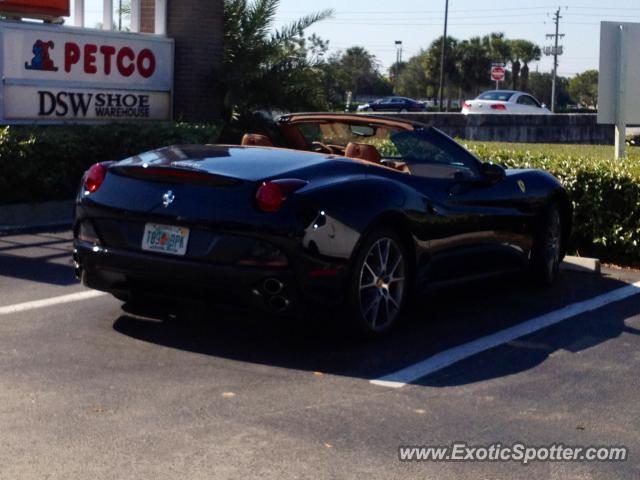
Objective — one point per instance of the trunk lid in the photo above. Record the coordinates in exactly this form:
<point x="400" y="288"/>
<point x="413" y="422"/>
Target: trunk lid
<point x="223" y="161"/>
<point x="213" y="185"/>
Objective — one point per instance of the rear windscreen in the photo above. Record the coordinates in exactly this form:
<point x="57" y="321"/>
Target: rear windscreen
<point x="496" y="95"/>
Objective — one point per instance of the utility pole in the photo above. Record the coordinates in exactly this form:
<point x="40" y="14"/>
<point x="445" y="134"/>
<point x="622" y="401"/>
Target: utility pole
<point x="443" y="53"/>
<point x="396" y="74"/>
<point x="555" y="51"/>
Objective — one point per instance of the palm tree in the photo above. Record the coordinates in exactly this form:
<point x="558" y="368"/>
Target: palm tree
<point x="498" y="46"/>
<point x="514" y="59"/>
<point x="522" y="52"/>
<point x="529" y="52"/>
<point x="474" y="64"/>
<point x="123" y="11"/>
<point x="262" y="67"/>
<point x="432" y="63"/>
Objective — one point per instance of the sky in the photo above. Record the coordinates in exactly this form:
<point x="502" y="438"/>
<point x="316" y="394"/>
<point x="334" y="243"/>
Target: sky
<point x="377" y="24"/>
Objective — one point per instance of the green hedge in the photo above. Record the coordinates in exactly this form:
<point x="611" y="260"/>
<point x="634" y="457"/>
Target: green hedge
<point x="39" y="163"/>
<point x="605" y="194"/>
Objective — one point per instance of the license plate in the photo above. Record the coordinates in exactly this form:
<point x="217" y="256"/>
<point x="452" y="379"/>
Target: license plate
<point x="165" y="239"/>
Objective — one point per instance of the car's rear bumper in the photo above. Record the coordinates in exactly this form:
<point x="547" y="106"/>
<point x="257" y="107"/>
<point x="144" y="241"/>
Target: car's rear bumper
<point x="139" y="274"/>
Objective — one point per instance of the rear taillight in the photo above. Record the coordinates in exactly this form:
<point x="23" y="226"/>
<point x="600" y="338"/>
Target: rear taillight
<point x="271" y="195"/>
<point x="467" y="105"/>
<point x="498" y="106"/>
<point x="94" y="177"/>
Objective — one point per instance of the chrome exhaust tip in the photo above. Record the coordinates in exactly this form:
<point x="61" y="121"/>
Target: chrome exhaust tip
<point x="278" y="303"/>
<point x="272" y="286"/>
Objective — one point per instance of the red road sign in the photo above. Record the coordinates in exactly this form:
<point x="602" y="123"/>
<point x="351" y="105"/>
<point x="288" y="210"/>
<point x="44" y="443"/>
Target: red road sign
<point x="497" y="73"/>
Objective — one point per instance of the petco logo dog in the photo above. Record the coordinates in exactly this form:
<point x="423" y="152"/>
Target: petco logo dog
<point x="41" y="59"/>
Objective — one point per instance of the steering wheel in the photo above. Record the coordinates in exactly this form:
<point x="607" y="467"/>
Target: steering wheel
<point x="324" y="146"/>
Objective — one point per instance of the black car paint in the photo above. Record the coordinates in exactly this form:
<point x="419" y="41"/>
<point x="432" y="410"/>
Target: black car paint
<point x="404" y="104"/>
<point x="454" y="229"/>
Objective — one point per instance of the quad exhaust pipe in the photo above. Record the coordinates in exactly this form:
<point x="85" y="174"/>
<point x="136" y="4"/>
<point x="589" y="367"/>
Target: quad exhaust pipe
<point x="272" y="286"/>
<point x="278" y="303"/>
<point x="272" y="289"/>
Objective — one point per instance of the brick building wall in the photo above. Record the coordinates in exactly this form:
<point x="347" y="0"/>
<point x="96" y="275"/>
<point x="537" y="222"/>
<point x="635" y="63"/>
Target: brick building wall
<point x="196" y="26"/>
<point x="147" y="16"/>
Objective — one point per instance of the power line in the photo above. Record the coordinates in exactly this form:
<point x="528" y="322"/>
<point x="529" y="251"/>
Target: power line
<point x="396" y="12"/>
<point x="431" y="17"/>
<point x="404" y="12"/>
<point x="381" y="24"/>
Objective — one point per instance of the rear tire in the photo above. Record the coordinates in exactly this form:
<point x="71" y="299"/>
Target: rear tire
<point x="546" y="254"/>
<point x="379" y="283"/>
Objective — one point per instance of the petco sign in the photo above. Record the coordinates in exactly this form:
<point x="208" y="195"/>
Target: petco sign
<point x="35" y="8"/>
<point x="60" y="73"/>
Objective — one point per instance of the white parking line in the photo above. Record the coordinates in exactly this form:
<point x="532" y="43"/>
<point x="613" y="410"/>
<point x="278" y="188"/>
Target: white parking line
<point x="449" y="357"/>
<point x="48" y="302"/>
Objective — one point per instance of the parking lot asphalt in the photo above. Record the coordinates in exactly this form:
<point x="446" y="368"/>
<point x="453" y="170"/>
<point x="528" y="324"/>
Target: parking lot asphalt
<point x="91" y="390"/>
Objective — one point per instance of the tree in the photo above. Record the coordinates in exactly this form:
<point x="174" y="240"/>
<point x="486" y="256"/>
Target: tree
<point x="474" y="65"/>
<point x="336" y="81"/>
<point x="361" y="67"/>
<point x="395" y="71"/>
<point x="265" y="69"/>
<point x="123" y="12"/>
<point x="432" y="63"/>
<point x="540" y="87"/>
<point x="413" y="80"/>
<point x="525" y="52"/>
<point x="498" y="46"/>
<point x="583" y="88"/>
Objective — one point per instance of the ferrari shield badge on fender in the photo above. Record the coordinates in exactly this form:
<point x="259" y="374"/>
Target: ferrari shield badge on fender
<point x="522" y="186"/>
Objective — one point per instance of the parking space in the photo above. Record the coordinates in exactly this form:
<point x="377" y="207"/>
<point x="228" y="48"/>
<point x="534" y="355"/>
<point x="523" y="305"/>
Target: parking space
<point x="89" y="389"/>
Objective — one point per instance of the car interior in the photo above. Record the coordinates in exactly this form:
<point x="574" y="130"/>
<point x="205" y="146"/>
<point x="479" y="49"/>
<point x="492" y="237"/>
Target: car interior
<point x="355" y="141"/>
<point x="386" y="144"/>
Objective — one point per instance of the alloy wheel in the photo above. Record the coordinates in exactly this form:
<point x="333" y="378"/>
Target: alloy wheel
<point x="382" y="284"/>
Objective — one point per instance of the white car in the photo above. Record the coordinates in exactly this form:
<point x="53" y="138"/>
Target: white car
<point x="505" y="102"/>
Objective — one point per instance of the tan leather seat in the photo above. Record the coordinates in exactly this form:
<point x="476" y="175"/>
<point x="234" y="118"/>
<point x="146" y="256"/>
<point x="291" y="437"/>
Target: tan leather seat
<point x="397" y="165"/>
<point x="256" y="140"/>
<point x="363" y="151"/>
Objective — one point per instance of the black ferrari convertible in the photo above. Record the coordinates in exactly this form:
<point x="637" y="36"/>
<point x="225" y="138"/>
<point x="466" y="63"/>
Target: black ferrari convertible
<point x="339" y="211"/>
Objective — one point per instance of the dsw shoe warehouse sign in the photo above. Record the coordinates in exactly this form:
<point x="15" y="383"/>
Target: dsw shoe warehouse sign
<point x="53" y="73"/>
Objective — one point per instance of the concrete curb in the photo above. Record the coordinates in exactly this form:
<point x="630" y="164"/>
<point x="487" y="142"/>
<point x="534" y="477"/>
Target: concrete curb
<point x="26" y="216"/>
<point x="581" y="264"/>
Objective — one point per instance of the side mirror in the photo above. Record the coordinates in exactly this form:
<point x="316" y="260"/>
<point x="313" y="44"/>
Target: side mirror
<point x="544" y="105"/>
<point x="493" y="172"/>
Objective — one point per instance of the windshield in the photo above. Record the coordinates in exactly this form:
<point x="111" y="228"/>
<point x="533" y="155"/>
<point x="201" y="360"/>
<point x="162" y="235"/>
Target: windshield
<point x="429" y="153"/>
<point x="342" y="133"/>
<point x="424" y="152"/>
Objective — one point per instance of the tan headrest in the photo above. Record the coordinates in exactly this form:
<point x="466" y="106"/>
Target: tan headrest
<point x="363" y="151"/>
<point x="256" y="140"/>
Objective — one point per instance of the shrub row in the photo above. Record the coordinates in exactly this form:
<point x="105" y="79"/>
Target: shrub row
<point x="605" y="195"/>
<point x="40" y="163"/>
